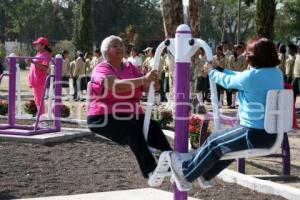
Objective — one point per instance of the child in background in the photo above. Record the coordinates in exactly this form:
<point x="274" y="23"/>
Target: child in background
<point x="38" y="71"/>
<point x="66" y="71"/>
<point x="220" y="60"/>
<point x="290" y="61"/>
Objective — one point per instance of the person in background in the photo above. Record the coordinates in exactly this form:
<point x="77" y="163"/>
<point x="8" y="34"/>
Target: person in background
<point x="168" y="66"/>
<point x="200" y="77"/>
<point x="66" y="71"/>
<point x="161" y="76"/>
<point x="296" y="74"/>
<point x="146" y="66"/>
<point x="88" y="57"/>
<point x="282" y="58"/>
<point x="243" y="45"/>
<point x="74" y="80"/>
<point x="38" y="71"/>
<point x="135" y="59"/>
<point x="236" y="62"/>
<point x="79" y="75"/>
<point x="88" y="70"/>
<point x="226" y="50"/>
<point x="290" y="61"/>
<point x="96" y="59"/>
<point x="126" y="55"/>
<point x="220" y="60"/>
<point x="114" y="109"/>
<point x="166" y="85"/>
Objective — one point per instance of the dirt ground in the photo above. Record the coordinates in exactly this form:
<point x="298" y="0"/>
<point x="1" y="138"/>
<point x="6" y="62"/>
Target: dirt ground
<point x="91" y="164"/>
<point x="86" y="165"/>
<point x="94" y="164"/>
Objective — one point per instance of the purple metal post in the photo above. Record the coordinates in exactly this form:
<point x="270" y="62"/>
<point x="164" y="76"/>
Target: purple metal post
<point x="182" y="99"/>
<point x="182" y="115"/>
<point x="57" y="92"/>
<point x="12" y="91"/>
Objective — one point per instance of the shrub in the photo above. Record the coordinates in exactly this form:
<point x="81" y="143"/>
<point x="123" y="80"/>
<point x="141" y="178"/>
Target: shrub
<point x="30" y="108"/>
<point x="3" y="107"/>
<point x="65" y="111"/>
<point x="165" y="118"/>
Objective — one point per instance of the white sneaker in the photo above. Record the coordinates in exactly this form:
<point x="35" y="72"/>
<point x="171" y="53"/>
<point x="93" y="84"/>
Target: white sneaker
<point x="204" y="184"/>
<point x="184" y="157"/>
<point x="175" y="161"/>
<point x="161" y="171"/>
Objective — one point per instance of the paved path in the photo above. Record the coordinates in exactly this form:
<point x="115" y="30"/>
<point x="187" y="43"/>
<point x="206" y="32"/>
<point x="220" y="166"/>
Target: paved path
<point x="139" y="194"/>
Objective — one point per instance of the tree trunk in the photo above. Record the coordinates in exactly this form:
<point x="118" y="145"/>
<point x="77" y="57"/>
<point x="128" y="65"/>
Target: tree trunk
<point x="194" y="17"/>
<point x="265" y="15"/>
<point x="172" y="12"/>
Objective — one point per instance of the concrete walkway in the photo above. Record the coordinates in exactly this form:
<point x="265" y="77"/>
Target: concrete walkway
<point x="65" y="135"/>
<point x="138" y="194"/>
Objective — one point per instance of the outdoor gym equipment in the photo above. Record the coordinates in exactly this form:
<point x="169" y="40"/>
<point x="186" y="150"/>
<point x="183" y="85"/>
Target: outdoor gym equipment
<point x="183" y="46"/>
<point x="278" y="110"/>
<point x="11" y="128"/>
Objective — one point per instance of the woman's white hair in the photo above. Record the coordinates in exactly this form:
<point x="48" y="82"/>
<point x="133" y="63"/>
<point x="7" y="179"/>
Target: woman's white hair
<point x="106" y="43"/>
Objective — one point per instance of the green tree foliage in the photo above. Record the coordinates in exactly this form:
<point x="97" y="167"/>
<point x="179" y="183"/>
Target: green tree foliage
<point x="28" y="19"/>
<point x="117" y="16"/>
<point x="83" y="35"/>
<point x="2" y="52"/>
<point x="64" y="45"/>
<point x="265" y="16"/>
<point x="219" y="20"/>
<point x="287" y="25"/>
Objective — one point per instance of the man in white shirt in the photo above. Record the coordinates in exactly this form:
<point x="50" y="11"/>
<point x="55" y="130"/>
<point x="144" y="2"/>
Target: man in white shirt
<point x="134" y="58"/>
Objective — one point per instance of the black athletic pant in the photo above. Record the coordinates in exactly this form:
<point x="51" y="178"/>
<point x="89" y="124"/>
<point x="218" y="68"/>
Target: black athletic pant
<point x="129" y="131"/>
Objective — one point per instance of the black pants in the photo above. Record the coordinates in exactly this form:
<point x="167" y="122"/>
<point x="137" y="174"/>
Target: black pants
<point x="130" y="132"/>
<point x="207" y="90"/>
<point x="207" y="161"/>
<point x="75" y="87"/>
<point x="162" y="90"/>
<point x="228" y="97"/>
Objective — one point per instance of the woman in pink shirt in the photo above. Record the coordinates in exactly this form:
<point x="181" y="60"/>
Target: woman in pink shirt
<point x="38" y="70"/>
<point x="114" y="109"/>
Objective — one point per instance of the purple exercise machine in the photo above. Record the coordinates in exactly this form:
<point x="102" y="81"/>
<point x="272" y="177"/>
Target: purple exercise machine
<point x="183" y="46"/>
<point x="11" y="128"/>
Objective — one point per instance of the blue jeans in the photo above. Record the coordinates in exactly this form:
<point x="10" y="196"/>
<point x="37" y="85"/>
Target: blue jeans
<point x="206" y="161"/>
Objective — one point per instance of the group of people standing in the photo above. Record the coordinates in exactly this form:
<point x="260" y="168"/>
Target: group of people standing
<point x="236" y="60"/>
<point x="79" y="70"/>
<point x="225" y="58"/>
<point x="290" y="65"/>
